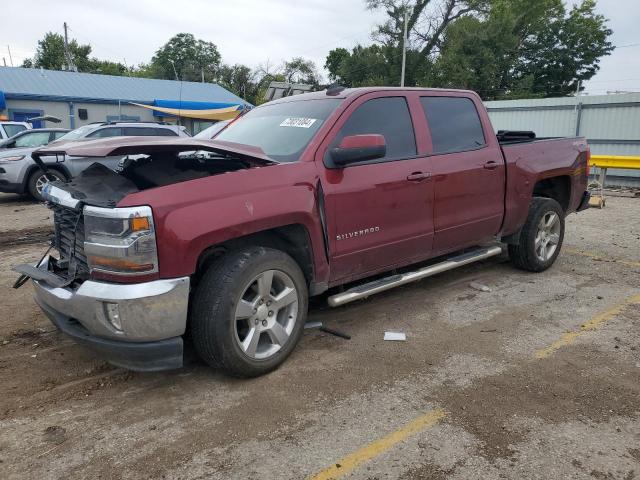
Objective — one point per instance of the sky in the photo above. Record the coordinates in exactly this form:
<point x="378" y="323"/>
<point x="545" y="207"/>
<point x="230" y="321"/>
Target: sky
<point x="256" y="32"/>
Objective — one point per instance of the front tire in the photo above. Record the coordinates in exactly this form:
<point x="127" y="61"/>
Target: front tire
<point x="540" y="238"/>
<point x="249" y="311"/>
<point x="38" y="179"/>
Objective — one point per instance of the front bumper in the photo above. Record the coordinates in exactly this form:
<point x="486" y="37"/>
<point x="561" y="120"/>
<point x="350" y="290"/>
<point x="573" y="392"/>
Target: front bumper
<point x="152" y="317"/>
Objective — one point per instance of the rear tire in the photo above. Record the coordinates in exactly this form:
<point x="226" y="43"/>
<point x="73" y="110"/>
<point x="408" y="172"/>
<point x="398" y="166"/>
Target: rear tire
<point x="38" y="179"/>
<point x="248" y="311"/>
<point x="540" y="238"/>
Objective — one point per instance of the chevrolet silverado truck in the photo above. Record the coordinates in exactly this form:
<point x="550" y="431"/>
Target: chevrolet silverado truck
<point x="345" y="191"/>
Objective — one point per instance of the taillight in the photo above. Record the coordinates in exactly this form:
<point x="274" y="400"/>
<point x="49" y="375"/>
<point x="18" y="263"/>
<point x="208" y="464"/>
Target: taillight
<point x="588" y="161"/>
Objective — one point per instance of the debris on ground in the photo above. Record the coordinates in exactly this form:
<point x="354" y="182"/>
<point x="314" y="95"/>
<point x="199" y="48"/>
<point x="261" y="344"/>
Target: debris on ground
<point x="335" y="332"/>
<point x="395" y="336"/>
<point x="480" y="287"/>
<point x="54" y="434"/>
<point x="309" y="325"/>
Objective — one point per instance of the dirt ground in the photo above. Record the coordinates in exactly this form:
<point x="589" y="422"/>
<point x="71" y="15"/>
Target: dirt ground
<point x="537" y="379"/>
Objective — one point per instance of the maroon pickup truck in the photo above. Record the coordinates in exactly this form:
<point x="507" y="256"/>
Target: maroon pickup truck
<point x="298" y="196"/>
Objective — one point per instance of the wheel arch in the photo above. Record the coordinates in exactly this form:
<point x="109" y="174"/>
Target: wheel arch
<point x="557" y="188"/>
<point x="32" y="168"/>
<point x="293" y="239"/>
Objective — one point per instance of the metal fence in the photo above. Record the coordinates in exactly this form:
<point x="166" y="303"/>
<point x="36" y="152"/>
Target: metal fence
<point x="611" y="124"/>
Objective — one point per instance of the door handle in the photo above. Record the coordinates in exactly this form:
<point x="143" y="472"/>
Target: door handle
<point x="491" y="165"/>
<point x="418" y="176"/>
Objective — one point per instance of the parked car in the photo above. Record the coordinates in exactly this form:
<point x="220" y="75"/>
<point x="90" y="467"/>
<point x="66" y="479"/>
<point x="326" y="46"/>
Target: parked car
<point x="33" y="138"/>
<point x="210" y="132"/>
<point x="304" y="194"/>
<point x="19" y="174"/>
<point x="9" y="129"/>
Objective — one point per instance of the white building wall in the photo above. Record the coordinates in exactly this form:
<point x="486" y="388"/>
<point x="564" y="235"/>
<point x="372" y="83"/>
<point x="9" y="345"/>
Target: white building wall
<point x="96" y="112"/>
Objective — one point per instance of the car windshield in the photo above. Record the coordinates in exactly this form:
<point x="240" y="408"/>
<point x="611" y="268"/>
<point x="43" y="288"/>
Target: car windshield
<point x="281" y="130"/>
<point x="12" y="129"/>
<point x="78" y="133"/>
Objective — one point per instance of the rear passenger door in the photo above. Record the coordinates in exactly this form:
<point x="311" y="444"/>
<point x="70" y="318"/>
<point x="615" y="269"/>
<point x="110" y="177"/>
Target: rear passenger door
<point x="378" y="212"/>
<point x="468" y="173"/>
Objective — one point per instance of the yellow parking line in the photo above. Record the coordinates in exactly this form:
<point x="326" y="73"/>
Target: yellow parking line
<point x="595" y="256"/>
<point x="592" y="324"/>
<point x="372" y="450"/>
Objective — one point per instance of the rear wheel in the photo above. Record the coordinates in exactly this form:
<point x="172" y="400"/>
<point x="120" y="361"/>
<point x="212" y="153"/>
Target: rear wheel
<point x="248" y="311"/>
<point x="39" y="179"/>
<point x="541" y="236"/>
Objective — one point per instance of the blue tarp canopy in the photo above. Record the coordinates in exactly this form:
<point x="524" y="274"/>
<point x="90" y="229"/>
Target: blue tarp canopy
<point x="182" y="105"/>
<point x="3" y="103"/>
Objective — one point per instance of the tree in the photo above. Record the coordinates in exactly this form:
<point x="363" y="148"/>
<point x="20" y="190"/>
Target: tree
<point x="522" y="49"/>
<point x="50" y="54"/>
<point x="566" y="51"/>
<point x="186" y="58"/>
<point x="426" y="22"/>
<point x="299" y="70"/>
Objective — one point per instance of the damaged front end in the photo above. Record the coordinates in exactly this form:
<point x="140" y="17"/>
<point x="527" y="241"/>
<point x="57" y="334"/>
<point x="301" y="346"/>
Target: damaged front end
<point x="103" y="288"/>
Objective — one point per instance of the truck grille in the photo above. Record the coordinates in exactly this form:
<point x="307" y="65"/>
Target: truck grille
<point x="69" y="239"/>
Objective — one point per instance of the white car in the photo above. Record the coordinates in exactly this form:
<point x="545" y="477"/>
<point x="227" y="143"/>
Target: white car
<point x="20" y="174"/>
<point x="9" y="129"/>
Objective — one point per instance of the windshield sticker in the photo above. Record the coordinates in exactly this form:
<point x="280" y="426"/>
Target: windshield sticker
<point x="299" y="122"/>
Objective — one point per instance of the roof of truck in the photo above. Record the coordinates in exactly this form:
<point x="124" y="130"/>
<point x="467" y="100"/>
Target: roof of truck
<point x="351" y="92"/>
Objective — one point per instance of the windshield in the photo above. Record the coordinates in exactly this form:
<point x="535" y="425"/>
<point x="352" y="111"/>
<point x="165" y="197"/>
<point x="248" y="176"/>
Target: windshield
<point x="281" y="130"/>
<point x="77" y="133"/>
<point x="11" y="129"/>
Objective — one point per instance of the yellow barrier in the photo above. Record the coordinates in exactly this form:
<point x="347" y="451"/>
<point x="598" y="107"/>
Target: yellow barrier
<point x="605" y="162"/>
<point x="613" y="161"/>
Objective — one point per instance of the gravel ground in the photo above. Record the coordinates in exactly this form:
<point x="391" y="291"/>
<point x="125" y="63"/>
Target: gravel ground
<point x="474" y="392"/>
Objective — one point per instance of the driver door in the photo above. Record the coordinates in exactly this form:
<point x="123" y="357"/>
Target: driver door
<point x="378" y="212"/>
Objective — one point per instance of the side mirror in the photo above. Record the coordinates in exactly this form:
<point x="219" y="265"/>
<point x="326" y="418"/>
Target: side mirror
<point x="358" y="148"/>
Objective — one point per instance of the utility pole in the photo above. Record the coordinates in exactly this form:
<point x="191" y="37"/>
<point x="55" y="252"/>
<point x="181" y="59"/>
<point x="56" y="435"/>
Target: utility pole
<point x="67" y="52"/>
<point x="404" y="47"/>
<point x="10" y="58"/>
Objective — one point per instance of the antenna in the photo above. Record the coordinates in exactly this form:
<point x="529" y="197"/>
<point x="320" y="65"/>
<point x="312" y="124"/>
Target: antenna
<point x="10" y="58"/>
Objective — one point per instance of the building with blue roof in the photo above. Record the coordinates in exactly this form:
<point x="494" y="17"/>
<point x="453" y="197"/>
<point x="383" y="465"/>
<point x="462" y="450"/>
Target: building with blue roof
<point x="81" y="98"/>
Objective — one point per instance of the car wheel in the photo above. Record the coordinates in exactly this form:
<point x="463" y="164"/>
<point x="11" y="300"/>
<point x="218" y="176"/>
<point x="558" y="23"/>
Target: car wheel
<point x="248" y="311"/>
<point x="39" y="179"/>
<point x="541" y="236"/>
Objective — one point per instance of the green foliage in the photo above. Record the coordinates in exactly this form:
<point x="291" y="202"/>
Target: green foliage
<point x="499" y="48"/>
<point x="185" y="58"/>
<point x="50" y="53"/>
<point x="299" y="70"/>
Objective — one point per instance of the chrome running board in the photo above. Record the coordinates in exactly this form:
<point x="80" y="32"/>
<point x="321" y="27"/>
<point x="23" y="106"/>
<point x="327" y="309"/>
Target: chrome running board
<point x="367" y="289"/>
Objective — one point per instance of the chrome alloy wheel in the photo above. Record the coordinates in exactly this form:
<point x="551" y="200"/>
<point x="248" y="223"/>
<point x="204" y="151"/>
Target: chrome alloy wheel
<point x="266" y="314"/>
<point x="44" y="179"/>
<point x="548" y="236"/>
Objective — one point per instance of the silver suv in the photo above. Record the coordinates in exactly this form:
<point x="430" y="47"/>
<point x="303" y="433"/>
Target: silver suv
<point x="20" y="174"/>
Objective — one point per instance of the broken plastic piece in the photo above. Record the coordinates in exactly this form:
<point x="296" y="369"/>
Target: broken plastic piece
<point x="395" y="336"/>
<point x="479" y="286"/>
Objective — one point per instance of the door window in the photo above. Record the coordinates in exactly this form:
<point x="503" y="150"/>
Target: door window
<point x="106" y="132"/>
<point x="454" y="124"/>
<point x="32" y="139"/>
<point x="387" y="116"/>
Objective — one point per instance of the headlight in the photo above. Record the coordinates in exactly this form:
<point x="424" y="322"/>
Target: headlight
<point x="120" y="240"/>
<point x="13" y="158"/>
